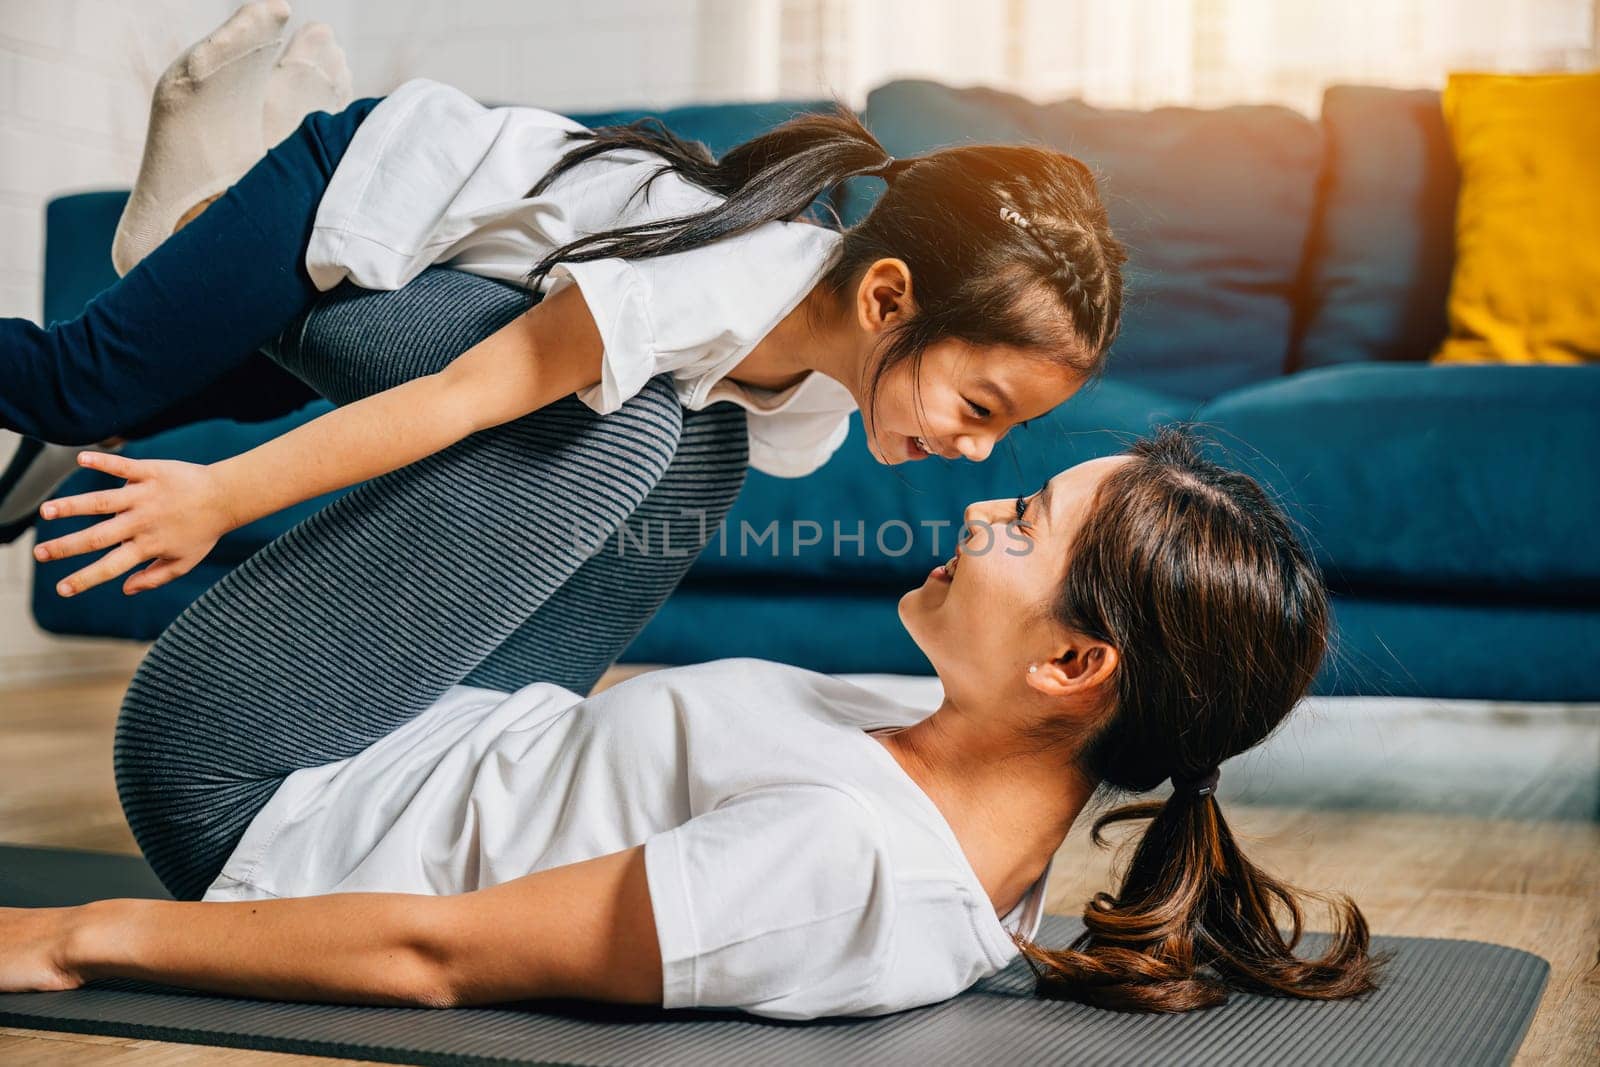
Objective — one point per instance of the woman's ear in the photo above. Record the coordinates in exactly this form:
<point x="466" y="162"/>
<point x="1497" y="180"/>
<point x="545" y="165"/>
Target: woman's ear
<point x="1082" y="667"/>
<point x="884" y="295"/>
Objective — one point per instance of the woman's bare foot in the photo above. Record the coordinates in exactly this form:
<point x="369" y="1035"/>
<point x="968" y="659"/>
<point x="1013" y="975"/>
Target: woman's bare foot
<point x="205" y="126"/>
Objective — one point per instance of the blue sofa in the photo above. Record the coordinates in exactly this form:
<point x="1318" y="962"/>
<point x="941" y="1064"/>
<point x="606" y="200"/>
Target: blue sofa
<point x="1287" y="284"/>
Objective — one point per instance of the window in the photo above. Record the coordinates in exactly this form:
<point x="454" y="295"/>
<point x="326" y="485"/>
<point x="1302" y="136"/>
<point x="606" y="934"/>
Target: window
<point x="1142" y="53"/>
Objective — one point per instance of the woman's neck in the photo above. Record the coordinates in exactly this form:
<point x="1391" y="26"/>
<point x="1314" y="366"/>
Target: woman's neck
<point x="1009" y="801"/>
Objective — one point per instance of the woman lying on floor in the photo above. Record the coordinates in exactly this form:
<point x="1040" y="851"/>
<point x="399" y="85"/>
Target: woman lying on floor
<point x="740" y="834"/>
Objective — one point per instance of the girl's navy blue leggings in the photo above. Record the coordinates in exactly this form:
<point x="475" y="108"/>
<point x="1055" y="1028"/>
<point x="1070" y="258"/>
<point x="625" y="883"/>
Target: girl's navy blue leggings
<point x="178" y="338"/>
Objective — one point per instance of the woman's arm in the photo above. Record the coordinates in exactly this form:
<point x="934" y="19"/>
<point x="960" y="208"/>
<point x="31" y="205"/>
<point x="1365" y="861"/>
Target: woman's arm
<point x="584" y="930"/>
<point x="175" y="512"/>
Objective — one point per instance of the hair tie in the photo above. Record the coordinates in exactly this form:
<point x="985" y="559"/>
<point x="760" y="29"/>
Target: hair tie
<point x="1202" y="785"/>
<point x="1013" y="216"/>
<point x="889" y="168"/>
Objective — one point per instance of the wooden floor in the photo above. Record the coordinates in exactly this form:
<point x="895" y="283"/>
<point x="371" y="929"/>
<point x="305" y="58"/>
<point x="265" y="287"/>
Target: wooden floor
<point x="1441" y="820"/>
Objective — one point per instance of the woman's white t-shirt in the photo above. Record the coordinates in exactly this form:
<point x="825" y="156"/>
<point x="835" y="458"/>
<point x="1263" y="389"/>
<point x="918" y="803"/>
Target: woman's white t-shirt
<point x="795" y="870"/>
<point x="433" y="177"/>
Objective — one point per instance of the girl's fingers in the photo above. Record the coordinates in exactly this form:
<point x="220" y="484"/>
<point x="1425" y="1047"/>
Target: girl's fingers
<point x="110" y="462"/>
<point x="100" y="535"/>
<point x="100" y="502"/>
<point x="103" y="569"/>
<point x="157" y="574"/>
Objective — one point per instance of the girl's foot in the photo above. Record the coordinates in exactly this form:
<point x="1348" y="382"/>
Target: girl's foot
<point x="205" y="126"/>
<point x="311" y="75"/>
<point x="30" y="471"/>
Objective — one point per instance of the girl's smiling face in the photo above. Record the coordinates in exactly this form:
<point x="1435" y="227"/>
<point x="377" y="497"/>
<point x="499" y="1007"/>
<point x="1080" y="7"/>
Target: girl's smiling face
<point x="961" y="401"/>
<point x="957" y="398"/>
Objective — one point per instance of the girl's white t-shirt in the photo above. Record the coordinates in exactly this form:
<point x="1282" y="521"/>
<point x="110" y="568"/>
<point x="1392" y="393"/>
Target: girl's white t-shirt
<point x="432" y="177"/>
<point x="795" y="870"/>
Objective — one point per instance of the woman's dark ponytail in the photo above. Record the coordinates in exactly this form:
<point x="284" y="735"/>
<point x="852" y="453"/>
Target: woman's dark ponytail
<point x="1191" y="900"/>
<point x="773" y="177"/>
<point x="1220" y="620"/>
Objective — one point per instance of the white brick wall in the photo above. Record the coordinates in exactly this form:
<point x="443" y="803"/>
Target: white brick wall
<point x="75" y="81"/>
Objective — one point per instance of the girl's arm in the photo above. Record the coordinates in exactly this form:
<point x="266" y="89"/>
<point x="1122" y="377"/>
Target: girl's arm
<point x="585" y="930"/>
<point x="175" y="512"/>
<point x="551" y="351"/>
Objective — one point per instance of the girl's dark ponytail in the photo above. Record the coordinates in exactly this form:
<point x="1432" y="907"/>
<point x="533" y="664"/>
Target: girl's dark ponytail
<point x="772" y="177"/>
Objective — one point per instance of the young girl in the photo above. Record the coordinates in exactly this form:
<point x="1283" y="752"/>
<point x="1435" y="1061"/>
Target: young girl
<point x="981" y="291"/>
<point x="835" y="854"/>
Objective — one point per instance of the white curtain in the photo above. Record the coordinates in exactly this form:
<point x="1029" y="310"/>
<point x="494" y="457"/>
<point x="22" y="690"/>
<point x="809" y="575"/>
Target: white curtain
<point x="1143" y="53"/>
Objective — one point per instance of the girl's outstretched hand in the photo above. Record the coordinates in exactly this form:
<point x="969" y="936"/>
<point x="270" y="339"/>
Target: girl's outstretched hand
<point x="170" y="512"/>
<point x="33" y="950"/>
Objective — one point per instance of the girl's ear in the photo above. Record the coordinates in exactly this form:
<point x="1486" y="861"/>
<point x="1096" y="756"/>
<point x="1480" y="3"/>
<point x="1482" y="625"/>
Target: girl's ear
<point x="884" y="296"/>
<point x="1084" y="667"/>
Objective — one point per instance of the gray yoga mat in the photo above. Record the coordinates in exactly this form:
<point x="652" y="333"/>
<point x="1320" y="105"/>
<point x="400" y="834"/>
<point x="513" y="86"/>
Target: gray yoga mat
<point x="1444" y="1002"/>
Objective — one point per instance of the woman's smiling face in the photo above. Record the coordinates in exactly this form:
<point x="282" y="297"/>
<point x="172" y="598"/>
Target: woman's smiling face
<point x="978" y="617"/>
<point x="962" y="400"/>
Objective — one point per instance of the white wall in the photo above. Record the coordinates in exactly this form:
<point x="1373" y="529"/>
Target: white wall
<point x="75" y="81"/>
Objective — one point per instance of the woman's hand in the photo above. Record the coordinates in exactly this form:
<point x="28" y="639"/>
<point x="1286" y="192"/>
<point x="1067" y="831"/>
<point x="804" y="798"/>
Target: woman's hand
<point x="169" y="512"/>
<point x="33" y="950"/>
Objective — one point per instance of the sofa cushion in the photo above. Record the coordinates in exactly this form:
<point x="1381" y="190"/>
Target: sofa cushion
<point x="1214" y="206"/>
<point x="856" y="521"/>
<point x="1527" y="218"/>
<point x="1467" y="480"/>
<point x="1382" y="245"/>
<point x="77" y="250"/>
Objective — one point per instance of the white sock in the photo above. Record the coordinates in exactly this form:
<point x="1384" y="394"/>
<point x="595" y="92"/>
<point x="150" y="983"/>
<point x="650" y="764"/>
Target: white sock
<point x="311" y="75"/>
<point x="205" y="127"/>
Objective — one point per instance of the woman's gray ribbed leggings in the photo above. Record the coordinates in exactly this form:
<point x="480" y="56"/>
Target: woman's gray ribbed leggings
<point x="472" y="566"/>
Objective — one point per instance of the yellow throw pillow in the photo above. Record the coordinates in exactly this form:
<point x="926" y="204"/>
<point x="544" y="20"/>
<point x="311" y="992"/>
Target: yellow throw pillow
<point x="1526" y="287"/>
